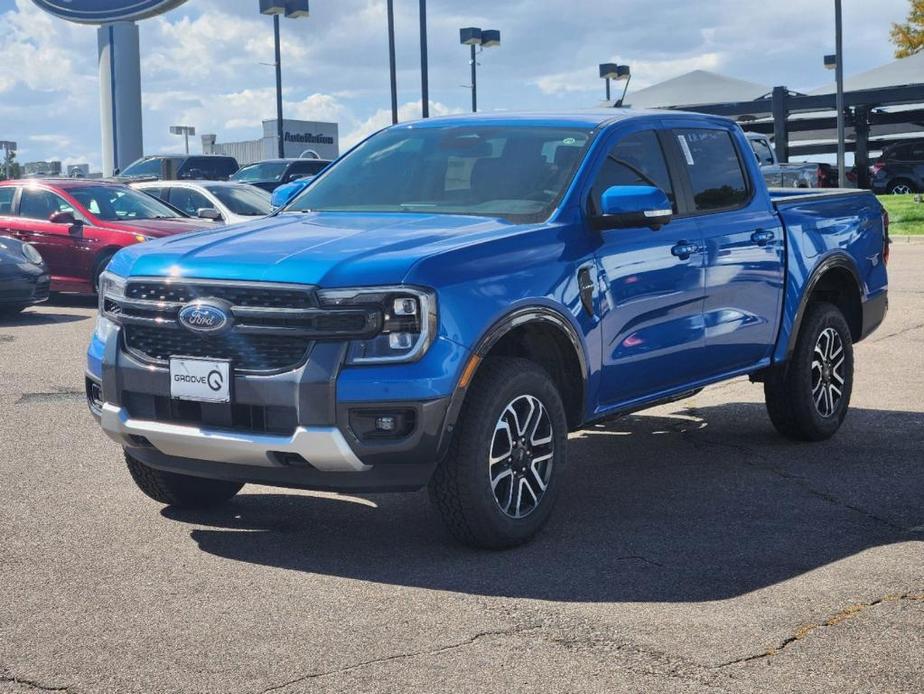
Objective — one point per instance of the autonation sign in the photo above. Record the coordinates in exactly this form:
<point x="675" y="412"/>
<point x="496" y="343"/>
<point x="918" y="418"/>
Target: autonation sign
<point x="105" y="11"/>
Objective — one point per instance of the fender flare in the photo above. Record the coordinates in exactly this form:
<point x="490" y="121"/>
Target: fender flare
<point x="501" y="327"/>
<point x="838" y="260"/>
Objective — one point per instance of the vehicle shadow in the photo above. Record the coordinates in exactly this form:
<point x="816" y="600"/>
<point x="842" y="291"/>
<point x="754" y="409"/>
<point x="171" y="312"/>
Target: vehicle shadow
<point x="703" y="504"/>
<point x="32" y="317"/>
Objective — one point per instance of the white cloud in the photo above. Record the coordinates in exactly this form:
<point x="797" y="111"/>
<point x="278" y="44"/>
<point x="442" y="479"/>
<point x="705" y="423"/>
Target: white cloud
<point x="202" y="62"/>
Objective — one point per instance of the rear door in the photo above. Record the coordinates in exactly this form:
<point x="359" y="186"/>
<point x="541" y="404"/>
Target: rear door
<point x="651" y="319"/>
<point x="744" y="249"/>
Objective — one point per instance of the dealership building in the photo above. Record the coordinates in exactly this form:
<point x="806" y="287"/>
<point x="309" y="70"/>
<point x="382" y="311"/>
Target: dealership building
<point x="300" y="137"/>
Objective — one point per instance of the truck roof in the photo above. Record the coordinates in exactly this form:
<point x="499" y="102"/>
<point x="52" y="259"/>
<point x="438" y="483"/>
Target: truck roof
<point x="589" y="118"/>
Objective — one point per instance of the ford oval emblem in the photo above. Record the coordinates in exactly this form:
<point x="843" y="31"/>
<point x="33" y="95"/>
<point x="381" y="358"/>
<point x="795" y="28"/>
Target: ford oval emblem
<point x="204" y="317"/>
<point x="105" y="11"/>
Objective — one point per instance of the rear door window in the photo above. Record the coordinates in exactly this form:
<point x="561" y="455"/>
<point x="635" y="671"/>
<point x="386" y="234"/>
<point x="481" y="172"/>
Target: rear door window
<point x="716" y="178"/>
<point x="636" y="160"/>
<point x="7" y="194"/>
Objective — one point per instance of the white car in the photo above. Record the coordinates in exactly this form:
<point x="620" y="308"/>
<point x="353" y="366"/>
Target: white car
<point x="221" y="201"/>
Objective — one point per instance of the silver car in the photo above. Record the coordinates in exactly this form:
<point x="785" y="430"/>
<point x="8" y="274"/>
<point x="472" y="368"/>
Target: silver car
<point x="221" y="201"/>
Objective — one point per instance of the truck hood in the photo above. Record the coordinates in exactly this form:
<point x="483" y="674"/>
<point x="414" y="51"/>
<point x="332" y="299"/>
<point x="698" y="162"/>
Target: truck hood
<point x="322" y="248"/>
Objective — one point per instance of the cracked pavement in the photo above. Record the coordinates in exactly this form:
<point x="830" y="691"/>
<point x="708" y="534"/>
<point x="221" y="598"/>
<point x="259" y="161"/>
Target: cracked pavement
<point x="693" y="550"/>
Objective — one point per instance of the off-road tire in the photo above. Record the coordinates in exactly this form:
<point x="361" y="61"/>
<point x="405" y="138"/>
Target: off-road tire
<point x="461" y="489"/>
<point x="181" y="491"/>
<point x="788" y="389"/>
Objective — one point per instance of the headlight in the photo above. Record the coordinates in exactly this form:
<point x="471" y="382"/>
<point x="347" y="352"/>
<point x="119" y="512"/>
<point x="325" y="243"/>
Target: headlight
<point x="110" y="287"/>
<point x="408" y="322"/>
<point x="32" y="255"/>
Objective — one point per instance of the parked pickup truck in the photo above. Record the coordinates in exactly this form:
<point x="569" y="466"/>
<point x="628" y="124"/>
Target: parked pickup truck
<point x="445" y="303"/>
<point x="790" y="174"/>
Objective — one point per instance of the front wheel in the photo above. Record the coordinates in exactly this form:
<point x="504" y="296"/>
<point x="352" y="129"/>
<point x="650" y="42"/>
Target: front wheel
<point x="808" y="397"/>
<point x="901" y="187"/>
<point x="499" y="481"/>
<point x="182" y="491"/>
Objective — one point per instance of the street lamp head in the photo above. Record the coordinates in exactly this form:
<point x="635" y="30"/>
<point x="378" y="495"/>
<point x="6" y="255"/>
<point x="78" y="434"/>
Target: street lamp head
<point x="623" y="73"/>
<point x="830" y="62"/>
<point x="490" y="38"/>
<point x="609" y="71"/>
<point x="471" y="36"/>
<point x="297" y="8"/>
<point x="182" y="130"/>
<point x="272" y="7"/>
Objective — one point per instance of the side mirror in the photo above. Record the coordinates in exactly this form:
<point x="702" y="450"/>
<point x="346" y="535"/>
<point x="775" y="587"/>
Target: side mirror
<point x="209" y="213"/>
<point x="633" y="206"/>
<point x="76" y="225"/>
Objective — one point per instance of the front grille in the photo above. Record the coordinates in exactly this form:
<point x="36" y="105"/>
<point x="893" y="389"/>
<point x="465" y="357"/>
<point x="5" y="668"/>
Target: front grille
<point x="257" y="419"/>
<point x="272" y="330"/>
<point x="246" y="352"/>
<point x="247" y="295"/>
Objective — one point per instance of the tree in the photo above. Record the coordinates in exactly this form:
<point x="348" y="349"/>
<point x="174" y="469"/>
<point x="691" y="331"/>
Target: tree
<point x="10" y="168"/>
<point x="909" y="37"/>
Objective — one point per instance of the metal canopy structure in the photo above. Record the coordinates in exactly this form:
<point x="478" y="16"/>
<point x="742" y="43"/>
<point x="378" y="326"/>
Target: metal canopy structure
<point x="881" y="104"/>
<point x="696" y="87"/>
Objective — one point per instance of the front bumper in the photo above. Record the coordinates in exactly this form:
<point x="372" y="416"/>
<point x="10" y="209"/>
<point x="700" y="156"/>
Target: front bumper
<point x="309" y="436"/>
<point x="23" y="284"/>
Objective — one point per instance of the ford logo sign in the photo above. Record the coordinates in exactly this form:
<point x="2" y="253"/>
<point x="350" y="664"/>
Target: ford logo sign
<point x="105" y="11"/>
<point x="204" y="317"/>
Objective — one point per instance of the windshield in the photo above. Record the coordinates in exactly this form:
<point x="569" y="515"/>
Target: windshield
<point x="243" y="200"/>
<point x="515" y="172"/>
<point x="116" y="204"/>
<point x="272" y="171"/>
<point x="151" y="166"/>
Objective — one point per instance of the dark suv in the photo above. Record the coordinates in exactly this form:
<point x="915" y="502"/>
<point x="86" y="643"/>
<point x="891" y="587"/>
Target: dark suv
<point x="200" y="167"/>
<point x="900" y="169"/>
<point x="272" y="173"/>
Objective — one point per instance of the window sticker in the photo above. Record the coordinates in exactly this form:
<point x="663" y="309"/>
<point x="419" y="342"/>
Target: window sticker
<point x="684" y="145"/>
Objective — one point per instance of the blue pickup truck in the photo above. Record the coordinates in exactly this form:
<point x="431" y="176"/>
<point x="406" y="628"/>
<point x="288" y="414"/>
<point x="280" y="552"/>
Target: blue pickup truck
<point x="451" y="298"/>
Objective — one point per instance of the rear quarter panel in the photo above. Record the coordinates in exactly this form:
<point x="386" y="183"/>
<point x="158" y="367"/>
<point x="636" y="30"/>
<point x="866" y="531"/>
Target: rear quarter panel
<point x="822" y="228"/>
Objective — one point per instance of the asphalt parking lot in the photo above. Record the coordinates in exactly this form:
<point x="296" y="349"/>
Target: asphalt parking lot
<point x="693" y="551"/>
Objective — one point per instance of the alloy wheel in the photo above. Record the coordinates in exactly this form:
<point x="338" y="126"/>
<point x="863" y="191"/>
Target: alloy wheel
<point x="828" y="372"/>
<point x="901" y="189"/>
<point x="521" y="456"/>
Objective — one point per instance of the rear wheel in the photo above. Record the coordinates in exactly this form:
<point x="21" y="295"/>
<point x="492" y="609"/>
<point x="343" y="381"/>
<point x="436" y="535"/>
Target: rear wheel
<point x="901" y="187"/>
<point x="500" y="479"/>
<point x="808" y="398"/>
<point x="182" y="491"/>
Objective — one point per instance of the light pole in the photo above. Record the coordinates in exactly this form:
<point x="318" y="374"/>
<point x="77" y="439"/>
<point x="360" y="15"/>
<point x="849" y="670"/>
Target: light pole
<point x="424" y="71"/>
<point x="486" y="38"/>
<point x="390" y="9"/>
<point x="185" y="131"/>
<point x="292" y="9"/>
<point x="839" y="78"/>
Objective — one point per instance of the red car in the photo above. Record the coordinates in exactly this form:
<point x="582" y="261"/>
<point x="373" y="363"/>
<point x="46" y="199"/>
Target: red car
<point x="78" y="225"/>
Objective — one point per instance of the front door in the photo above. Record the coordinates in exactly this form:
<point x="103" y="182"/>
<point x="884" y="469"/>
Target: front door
<point x="62" y="248"/>
<point x="652" y="319"/>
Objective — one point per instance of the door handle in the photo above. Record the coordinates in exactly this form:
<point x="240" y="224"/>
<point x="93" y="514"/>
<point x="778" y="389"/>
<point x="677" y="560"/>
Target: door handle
<point x="684" y="250"/>
<point x="762" y="237"/>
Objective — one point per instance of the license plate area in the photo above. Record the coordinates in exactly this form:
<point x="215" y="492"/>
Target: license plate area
<point x="200" y="380"/>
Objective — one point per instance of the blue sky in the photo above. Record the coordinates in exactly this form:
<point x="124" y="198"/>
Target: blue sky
<point x="201" y="63"/>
